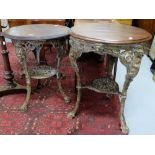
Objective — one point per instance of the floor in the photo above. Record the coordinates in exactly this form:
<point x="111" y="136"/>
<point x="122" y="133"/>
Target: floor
<point x="102" y="118"/>
<point x="47" y="112"/>
<point x="140" y="103"/>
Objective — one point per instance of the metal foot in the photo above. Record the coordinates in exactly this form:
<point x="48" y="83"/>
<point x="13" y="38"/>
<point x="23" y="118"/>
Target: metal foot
<point x="24" y="107"/>
<point x="71" y="114"/>
<point x="124" y="126"/>
<point x="67" y="99"/>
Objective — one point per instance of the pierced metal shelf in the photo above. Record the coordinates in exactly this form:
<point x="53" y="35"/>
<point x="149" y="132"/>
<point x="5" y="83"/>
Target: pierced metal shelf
<point x="42" y="72"/>
<point x="103" y="85"/>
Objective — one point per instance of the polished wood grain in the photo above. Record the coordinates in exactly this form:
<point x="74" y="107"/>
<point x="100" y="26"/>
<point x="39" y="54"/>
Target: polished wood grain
<point x="81" y="22"/>
<point x="37" y="32"/>
<point x="108" y="32"/>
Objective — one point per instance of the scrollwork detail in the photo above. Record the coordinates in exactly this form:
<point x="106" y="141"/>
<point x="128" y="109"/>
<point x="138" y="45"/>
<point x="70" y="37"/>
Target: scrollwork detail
<point x="130" y="56"/>
<point x="126" y="53"/>
<point x="28" y="45"/>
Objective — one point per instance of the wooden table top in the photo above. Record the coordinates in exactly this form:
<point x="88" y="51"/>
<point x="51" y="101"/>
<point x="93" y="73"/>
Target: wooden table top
<point x="36" y="32"/>
<point x="113" y="33"/>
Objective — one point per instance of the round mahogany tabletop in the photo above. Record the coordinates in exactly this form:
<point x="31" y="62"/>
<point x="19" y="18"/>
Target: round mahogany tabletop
<point x="36" y="32"/>
<point x="113" y="33"/>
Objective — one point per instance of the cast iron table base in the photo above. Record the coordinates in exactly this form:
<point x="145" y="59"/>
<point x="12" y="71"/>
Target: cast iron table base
<point x="130" y="56"/>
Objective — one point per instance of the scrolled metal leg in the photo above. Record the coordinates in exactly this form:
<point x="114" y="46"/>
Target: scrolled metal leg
<point x="132" y="71"/>
<point x="124" y="126"/>
<point x="66" y="98"/>
<point x="76" y="108"/>
<point x="128" y="80"/>
<point x="111" y="63"/>
<point x="73" y="59"/>
<point x="37" y="52"/>
<point x="24" y="107"/>
<point x="18" y="51"/>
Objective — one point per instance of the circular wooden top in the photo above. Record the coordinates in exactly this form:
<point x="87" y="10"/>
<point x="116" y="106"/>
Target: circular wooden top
<point x="36" y="32"/>
<point x="107" y="32"/>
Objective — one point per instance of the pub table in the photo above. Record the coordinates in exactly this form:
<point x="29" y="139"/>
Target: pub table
<point x="127" y="43"/>
<point x="26" y="38"/>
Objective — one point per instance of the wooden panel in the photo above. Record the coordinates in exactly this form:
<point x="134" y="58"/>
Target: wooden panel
<point x="147" y="24"/>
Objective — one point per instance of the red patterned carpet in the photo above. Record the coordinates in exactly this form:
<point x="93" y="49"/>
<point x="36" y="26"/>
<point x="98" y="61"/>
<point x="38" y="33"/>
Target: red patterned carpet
<point x="47" y="113"/>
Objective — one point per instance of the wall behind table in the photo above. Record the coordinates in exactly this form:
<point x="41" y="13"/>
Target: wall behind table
<point x="125" y="21"/>
<point x="17" y="22"/>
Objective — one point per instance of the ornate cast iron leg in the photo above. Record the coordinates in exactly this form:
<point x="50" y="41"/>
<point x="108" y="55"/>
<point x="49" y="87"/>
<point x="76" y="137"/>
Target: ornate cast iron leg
<point x="37" y="57"/>
<point x="123" y="96"/>
<point x="73" y="58"/>
<point x="153" y="77"/>
<point x="60" y="55"/>
<point x="132" y="71"/>
<point x="18" y="50"/>
<point x="28" y="82"/>
<point x="111" y="63"/>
